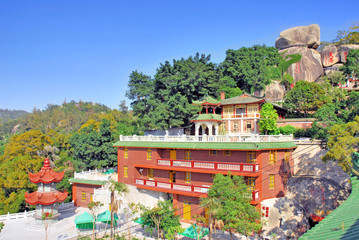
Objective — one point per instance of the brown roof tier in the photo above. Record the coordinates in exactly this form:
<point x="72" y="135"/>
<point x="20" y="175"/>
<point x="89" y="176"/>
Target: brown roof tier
<point x="45" y="198"/>
<point x="46" y="174"/>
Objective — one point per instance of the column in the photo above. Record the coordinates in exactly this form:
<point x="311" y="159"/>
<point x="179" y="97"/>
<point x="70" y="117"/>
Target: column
<point x="229" y="127"/>
<point x="210" y="129"/>
<point x="241" y="126"/>
<point x="197" y="128"/>
<point x="216" y="127"/>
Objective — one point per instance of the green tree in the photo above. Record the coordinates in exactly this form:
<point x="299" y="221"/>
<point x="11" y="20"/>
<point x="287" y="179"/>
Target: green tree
<point x="237" y="213"/>
<point x="304" y="97"/>
<point x="92" y="145"/>
<point x="94" y="208"/>
<point x="250" y="68"/>
<point x="213" y="207"/>
<point x="342" y="143"/>
<point x="166" y="100"/>
<point x="161" y="217"/>
<point x="121" y="189"/>
<point x="268" y="121"/>
<point x="351" y="66"/>
<point x="350" y="36"/>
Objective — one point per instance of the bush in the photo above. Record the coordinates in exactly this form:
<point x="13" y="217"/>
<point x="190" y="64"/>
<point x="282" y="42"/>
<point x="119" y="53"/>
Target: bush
<point x="287" y="130"/>
<point x="302" y="132"/>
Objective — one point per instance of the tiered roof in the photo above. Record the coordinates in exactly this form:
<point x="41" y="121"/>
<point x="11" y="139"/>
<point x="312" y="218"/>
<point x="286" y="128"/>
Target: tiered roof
<point x="46" y="174"/>
<point x="45" y="198"/>
<point x="245" y="98"/>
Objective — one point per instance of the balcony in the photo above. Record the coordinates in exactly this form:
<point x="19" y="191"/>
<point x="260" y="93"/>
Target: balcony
<point x="241" y="116"/>
<point x="184" y="189"/>
<point x="205" y="138"/>
<point x="215" y="166"/>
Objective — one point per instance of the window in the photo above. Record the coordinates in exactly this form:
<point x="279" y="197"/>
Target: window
<point x="125" y="152"/>
<point x="91" y="198"/>
<point x="235" y="126"/>
<point x="213" y="175"/>
<point x="187" y="155"/>
<point x="271" y="181"/>
<point x="172" y="176"/>
<point x="251" y="183"/>
<point x="251" y="157"/>
<point x="125" y="171"/>
<point x="287" y="156"/>
<point x="83" y="196"/>
<point x="187" y="177"/>
<point x="249" y="126"/>
<point x="149" y="154"/>
<point x="212" y="152"/>
<point x="272" y="156"/>
<point x="227" y="152"/>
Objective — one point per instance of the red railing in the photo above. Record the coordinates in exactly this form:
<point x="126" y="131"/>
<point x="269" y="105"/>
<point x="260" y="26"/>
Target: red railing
<point x="182" y="187"/>
<point x="224" y="166"/>
<point x="172" y="186"/>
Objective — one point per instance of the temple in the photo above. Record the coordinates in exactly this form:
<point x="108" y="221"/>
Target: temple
<point x="47" y="197"/>
<point x="225" y="137"/>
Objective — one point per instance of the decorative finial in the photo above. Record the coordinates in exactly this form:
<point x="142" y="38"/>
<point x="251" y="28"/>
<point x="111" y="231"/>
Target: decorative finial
<point x="46" y="162"/>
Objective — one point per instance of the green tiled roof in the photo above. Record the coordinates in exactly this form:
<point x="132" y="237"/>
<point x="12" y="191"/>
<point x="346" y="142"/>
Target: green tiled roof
<point x="242" y="100"/>
<point x="208" y="99"/>
<point x="86" y="181"/>
<point x="342" y="223"/>
<point x="207" y="145"/>
<point x="209" y="116"/>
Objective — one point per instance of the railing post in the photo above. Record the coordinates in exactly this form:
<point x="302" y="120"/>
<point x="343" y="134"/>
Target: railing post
<point x="241" y="167"/>
<point x="215" y="165"/>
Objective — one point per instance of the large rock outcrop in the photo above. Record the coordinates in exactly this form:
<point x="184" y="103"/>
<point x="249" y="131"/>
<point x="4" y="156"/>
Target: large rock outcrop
<point x="330" y="55"/>
<point x="274" y="92"/>
<point x="308" y="36"/>
<point x="309" y="68"/>
<point x="344" y="49"/>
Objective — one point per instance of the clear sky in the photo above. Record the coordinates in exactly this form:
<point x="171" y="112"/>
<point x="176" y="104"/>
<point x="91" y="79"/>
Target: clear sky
<point x="53" y="50"/>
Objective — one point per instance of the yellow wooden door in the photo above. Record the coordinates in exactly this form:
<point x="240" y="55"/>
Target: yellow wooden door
<point x="187" y="210"/>
<point x="173" y="154"/>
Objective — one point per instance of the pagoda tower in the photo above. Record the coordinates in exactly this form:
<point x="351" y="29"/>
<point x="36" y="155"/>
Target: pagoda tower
<point x="47" y="197"/>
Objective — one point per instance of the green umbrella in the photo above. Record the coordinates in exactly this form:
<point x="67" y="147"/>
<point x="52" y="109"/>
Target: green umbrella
<point x="192" y="232"/>
<point x="84" y="221"/>
<point x="105" y="217"/>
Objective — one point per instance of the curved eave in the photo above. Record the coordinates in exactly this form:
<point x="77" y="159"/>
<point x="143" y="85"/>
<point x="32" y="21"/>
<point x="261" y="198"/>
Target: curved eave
<point x="46" y="176"/>
<point x="47" y="198"/>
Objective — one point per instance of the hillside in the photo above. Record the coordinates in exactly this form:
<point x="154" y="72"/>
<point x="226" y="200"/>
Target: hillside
<point x="6" y="114"/>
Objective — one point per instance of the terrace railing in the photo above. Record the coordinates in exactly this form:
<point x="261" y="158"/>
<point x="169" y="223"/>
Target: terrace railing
<point x="183" y="187"/>
<point x="241" y="115"/>
<point x="205" y="138"/>
<point x="193" y="164"/>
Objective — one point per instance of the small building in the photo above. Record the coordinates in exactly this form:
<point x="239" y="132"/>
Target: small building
<point x="86" y="184"/>
<point x="47" y="197"/>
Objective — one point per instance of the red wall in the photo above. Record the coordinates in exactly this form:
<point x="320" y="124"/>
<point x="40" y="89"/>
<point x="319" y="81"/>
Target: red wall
<point x="77" y="190"/>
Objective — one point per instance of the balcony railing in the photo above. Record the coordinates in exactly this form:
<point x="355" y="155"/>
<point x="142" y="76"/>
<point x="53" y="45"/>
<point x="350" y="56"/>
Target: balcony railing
<point x="205" y="138"/>
<point x="183" y="187"/>
<point x="226" y="166"/>
<point x="172" y="186"/>
<point x="241" y="115"/>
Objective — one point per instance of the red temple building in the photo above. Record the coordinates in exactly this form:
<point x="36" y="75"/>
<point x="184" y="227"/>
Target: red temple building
<point x="47" y="197"/>
<point x="225" y="138"/>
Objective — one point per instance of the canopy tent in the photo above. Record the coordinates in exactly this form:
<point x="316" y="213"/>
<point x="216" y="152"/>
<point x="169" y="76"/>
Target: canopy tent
<point x="105" y="217"/>
<point x="84" y="221"/>
<point x="194" y="230"/>
<point x="110" y="171"/>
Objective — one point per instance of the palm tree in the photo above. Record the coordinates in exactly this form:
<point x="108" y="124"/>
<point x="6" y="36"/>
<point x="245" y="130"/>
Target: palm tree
<point x="213" y="207"/>
<point x="120" y="188"/>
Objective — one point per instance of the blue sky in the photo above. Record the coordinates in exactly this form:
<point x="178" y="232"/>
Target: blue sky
<point x="54" y="50"/>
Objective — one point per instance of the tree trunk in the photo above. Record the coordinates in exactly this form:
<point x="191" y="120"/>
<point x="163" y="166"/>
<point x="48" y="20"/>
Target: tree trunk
<point x="231" y="235"/>
<point x="111" y="224"/>
<point x="158" y="231"/>
<point x="93" y="229"/>
<point x="210" y="225"/>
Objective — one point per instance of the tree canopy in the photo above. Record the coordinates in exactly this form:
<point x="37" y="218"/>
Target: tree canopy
<point x="268" y="122"/>
<point x="250" y="68"/>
